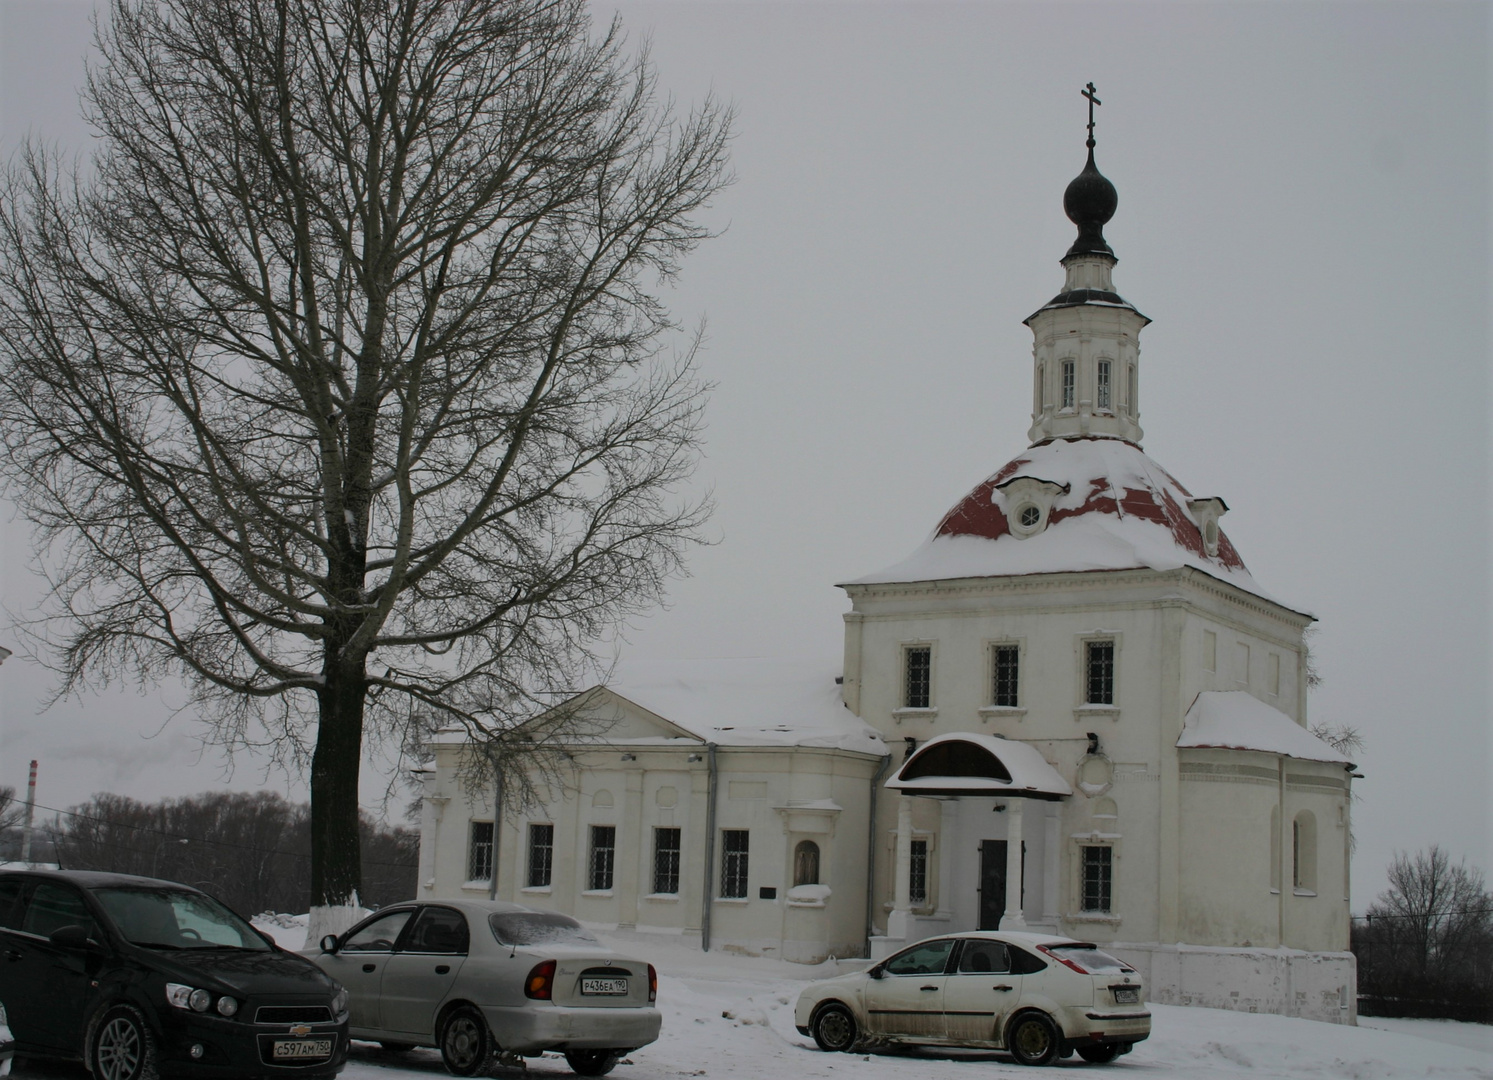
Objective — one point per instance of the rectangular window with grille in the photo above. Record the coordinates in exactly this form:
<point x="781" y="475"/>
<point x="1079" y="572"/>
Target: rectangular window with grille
<point x="734" y="849"/>
<point x="917" y="875"/>
<point x="917" y="691"/>
<point x="1069" y="384"/>
<point x="541" y="855"/>
<point x="479" y="852"/>
<point x="1101" y="385"/>
<point x="1131" y="399"/>
<point x="1098" y="878"/>
<point x="1005" y="664"/>
<point x="1101" y="673"/>
<point x="603" y="856"/>
<point x="665" y="860"/>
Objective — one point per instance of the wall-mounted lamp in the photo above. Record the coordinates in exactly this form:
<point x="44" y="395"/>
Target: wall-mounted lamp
<point x="1093" y="742"/>
<point x="912" y="745"/>
<point x="695" y="757"/>
<point x="1000" y="808"/>
<point x="629" y="757"/>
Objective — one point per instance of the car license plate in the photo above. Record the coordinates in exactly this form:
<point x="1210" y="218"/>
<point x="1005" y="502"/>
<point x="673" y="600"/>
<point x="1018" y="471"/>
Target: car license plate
<point x="1126" y="996"/>
<point x="603" y="986"/>
<point x="301" y="1048"/>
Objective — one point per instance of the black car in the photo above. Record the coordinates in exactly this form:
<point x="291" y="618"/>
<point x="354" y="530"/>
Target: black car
<point x="138" y="976"/>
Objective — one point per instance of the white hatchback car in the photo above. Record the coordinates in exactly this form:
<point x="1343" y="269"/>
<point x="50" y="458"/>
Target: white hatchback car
<point x="1037" y="996"/>
<point x="478" y="978"/>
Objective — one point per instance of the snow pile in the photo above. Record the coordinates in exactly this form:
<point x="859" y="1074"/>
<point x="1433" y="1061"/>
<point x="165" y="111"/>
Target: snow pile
<point x="1237" y="720"/>
<point x="1118" y="510"/>
<point x="289" y="931"/>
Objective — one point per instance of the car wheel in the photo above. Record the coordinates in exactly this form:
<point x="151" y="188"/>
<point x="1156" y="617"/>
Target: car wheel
<point x="466" y="1044"/>
<point x="834" y="1030"/>
<point x="1033" y="1039"/>
<point x="592" y="1062"/>
<point x="396" y="1047"/>
<point x="123" y="1047"/>
<point x="1098" y="1055"/>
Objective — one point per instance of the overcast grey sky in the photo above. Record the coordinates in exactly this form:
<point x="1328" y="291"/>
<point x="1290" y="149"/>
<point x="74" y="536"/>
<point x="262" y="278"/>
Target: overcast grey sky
<point x="1304" y="212"/>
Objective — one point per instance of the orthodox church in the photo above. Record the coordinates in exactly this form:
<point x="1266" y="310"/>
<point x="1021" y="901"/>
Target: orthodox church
<point x="1072" y="710"/>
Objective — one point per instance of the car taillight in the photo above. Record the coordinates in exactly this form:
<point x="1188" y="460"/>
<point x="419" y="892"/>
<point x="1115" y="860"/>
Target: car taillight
<point x="652" y="984"/>
<point x="541" y="982"/>
<point x="1062" y="960"/>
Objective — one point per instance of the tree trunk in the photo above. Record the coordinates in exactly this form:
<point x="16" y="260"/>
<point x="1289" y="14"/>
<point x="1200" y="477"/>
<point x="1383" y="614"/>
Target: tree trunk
<point x="336" y="859"/>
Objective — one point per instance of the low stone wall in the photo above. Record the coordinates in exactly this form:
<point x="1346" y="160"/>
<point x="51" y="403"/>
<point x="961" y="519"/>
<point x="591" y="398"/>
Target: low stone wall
<point x="1287" y="982"/>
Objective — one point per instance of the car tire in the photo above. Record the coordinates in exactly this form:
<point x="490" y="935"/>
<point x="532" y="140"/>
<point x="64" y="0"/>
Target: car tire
<point x="834" y="1029"/>
<point x="592" y="1062"/>
<point x="466" y="1042"/>
<point x="1099" y="1055"/>
<point x="122" y="1047"/>
<point x="1033" y="1039"/>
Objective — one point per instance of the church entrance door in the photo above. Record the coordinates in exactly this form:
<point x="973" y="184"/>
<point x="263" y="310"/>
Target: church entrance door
<point x="993" y="882"/>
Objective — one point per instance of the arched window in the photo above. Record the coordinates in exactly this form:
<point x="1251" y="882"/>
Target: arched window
<point x="806" y="863"/>
<point x="1101" y="387"/>
<point x="1069" y="384"/>
<point x="1304" y="852"/>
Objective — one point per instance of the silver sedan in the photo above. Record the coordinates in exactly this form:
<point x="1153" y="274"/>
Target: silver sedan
<point x="479" y="978"/>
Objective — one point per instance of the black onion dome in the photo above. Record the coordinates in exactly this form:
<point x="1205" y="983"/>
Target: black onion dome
<point x="1090" y="202"/>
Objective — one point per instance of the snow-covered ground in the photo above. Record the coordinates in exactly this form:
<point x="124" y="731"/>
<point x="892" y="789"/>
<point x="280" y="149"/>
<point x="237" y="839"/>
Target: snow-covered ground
<point x="731" y="1018"/>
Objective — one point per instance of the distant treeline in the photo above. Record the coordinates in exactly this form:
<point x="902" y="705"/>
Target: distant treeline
<point x="252" y="850"/>
<point x="1425" y="947"/>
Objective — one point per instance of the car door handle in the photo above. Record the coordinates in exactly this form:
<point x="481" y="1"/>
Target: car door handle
<point x="441" y="969"/>
<point x="12" y="954"/>
<point x="369" y="967"/>
<point x="1002" y="986"/>
<point x="929" y="988"/>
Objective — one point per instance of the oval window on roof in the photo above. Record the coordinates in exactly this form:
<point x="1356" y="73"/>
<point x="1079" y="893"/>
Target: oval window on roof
<point x="956" y="758"/>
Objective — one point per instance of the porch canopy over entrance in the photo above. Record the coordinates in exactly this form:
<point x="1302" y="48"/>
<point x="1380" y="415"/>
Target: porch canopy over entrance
<point x="965" y="763"/>
<point x="961" y="765"/>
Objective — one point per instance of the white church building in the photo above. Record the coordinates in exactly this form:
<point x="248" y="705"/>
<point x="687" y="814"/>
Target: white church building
<point x="1072" y="709"/>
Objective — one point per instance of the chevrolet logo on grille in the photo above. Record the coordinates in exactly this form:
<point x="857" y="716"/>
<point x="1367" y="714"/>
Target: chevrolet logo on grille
<point x="301" y="1029"/>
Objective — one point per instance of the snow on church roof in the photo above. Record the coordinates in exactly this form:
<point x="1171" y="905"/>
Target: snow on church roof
<point x="752" y="701"/>
<point x="1237" y="720"/>
<point x="1118" y="510"/>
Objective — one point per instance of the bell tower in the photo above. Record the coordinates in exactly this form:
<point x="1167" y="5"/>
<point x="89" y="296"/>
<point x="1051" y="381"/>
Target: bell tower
<point x="1086" y="353"/>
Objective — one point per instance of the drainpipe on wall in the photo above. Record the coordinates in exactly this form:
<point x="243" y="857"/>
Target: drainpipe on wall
<point x="709" y="894"/>
<point x="871" y="854"/>
<point x="497" y="826"/>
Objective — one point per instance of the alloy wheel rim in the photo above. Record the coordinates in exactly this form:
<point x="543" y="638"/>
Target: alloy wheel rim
<point x="118" y="1050"/>
<point x="462" y="1041"/>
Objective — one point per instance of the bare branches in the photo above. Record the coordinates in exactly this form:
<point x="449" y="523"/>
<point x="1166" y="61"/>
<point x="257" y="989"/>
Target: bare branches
<point x="346" y="356"/>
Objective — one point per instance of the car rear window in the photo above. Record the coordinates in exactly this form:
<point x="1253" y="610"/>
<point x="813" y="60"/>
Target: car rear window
<point x="538" y="928"/>
<point x="1092" y="960"/>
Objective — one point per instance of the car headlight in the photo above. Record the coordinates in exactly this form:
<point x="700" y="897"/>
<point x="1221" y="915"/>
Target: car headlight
<point x="227" y="1006"/>
<point x="179" y="995"/>
<point x="339" y="1003"/>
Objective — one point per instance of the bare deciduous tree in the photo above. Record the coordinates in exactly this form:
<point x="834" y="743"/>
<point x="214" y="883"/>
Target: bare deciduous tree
<point x="337" y="383"/>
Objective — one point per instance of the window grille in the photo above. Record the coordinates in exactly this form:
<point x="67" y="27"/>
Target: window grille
<point x="734" y="848"/>
<point x="1101" y="392"/>
<point x="1101" y="673"/>
<point x="1005" y="663"/>
<point x="1098" y="878"/>
<point x="917" y="874"/>
<point x="1069" y="385"/>
<point x="919" y="662"/>
<point x="665" y="860"/>
<point x="541" y="855"/>
<point x="806" y="863"/>
<point x="479" y="852"/>
<point x="603" y="856"/>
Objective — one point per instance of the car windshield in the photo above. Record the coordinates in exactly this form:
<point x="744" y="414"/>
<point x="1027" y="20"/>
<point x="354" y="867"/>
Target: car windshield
<point x="538" y="928"/>
<point x="1092" y="960"/>
<point x="165" y="918"/>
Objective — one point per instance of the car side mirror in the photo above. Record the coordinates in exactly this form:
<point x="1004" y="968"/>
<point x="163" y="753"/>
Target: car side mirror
<point x="329" y="943"/>
<point x="71" y="936"/>
<point x="878" y="972"/>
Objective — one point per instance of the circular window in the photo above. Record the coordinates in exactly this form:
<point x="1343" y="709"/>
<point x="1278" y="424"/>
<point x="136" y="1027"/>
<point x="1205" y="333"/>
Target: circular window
<point x="1029" y="517"/>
